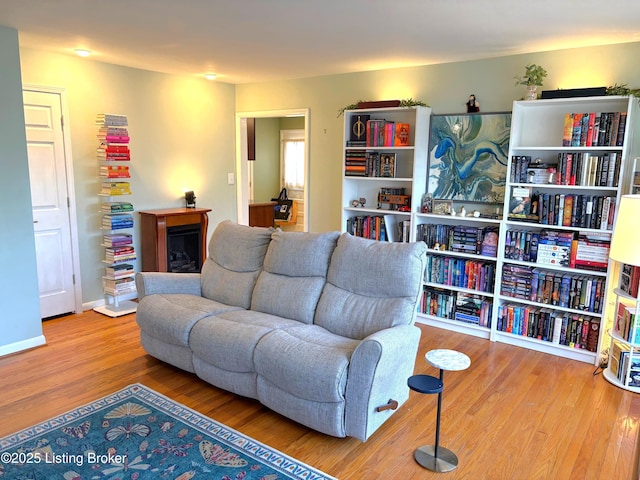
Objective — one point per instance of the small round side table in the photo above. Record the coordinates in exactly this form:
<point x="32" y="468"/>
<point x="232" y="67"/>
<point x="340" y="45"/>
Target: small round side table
<point x="435" y="457"/>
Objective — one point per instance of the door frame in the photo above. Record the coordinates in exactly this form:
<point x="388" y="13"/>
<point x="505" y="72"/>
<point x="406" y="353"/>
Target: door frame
<point x="242" y="162"/>
<point x="68" y="164"/>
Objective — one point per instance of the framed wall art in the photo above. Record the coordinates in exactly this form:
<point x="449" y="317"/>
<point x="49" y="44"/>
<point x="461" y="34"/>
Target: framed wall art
<point x="468" y="156"/>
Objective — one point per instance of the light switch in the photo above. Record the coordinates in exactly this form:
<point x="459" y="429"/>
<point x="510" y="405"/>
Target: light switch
<point x="231" y="178"/>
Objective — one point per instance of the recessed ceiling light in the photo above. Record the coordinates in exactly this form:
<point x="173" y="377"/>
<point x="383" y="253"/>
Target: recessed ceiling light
<point x="82" y="52"/>
<point x="210" y="76"/>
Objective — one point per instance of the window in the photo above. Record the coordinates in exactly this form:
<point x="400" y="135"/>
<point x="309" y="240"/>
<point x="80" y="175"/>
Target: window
<point x="292" y="162"/>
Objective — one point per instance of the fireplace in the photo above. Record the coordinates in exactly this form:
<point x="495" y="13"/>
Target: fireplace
<point x="183" y="249"/>
<point x="173" y="239"/>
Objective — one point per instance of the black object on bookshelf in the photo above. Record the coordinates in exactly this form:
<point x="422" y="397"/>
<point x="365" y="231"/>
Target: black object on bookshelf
<point x="574" y="92"/>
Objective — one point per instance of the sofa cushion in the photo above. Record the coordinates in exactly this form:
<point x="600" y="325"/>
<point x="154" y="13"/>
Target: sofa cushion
<point x="170" y="317"/>
<point x="371" y="285"/>
<point x="294" y="273"/>
<point x="306" y="361"/>
<point x="236" y="254"/>
<point x="228" y="340"/>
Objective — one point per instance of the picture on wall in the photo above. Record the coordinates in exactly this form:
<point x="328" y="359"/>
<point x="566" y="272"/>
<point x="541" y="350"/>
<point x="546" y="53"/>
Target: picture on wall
<point x="468" y="156"/>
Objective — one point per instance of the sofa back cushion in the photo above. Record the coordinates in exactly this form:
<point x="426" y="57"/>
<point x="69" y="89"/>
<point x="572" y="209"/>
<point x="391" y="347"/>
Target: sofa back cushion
<point x="236" y="255"/>
<point x="294" y="273"/>
<point x="370" y="286"/>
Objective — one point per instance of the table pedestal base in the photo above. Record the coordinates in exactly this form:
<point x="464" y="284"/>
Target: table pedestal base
<point x="445" y="462"/>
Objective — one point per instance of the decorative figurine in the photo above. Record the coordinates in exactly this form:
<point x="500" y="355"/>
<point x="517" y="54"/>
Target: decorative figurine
<point x="463" y="212"/>
<point x="355" y="203"/>
<point x="472" y="105"/>
<point x="362" y="201"/>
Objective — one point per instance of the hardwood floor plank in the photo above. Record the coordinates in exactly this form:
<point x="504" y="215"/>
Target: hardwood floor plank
<point x="513" y="414"/>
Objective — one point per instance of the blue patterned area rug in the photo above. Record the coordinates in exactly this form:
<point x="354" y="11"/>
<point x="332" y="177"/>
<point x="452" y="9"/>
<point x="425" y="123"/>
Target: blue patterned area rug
<point x="137" y="434"/>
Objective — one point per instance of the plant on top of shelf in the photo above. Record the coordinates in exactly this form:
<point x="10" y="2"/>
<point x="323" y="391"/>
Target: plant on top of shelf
<point x="407" y="102"/>
<point x="533" y="76"/>
<point x="623" y="90"/>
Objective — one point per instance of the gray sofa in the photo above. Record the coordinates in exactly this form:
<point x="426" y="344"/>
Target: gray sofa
<point x="316" y="326"/>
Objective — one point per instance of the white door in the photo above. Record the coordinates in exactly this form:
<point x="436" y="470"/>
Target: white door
<point x="50" y="199"/>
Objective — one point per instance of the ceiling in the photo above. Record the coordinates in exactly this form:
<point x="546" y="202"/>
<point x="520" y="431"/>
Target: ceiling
<point x="247" y="41"/>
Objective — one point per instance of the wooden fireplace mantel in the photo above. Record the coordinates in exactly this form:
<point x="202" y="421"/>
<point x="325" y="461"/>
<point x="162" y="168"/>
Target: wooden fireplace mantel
<point x="153" y="238"/>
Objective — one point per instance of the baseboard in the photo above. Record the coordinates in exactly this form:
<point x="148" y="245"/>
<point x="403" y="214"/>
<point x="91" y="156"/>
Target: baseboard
<point x="22" y="345"/>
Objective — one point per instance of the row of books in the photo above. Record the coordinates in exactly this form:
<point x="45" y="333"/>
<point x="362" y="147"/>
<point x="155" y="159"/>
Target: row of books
<point x="594" y="129"/>
<point x="119" y="270"/>
<point x="460" y="272"/>
<point x="583" y="250"/>
<point x="566" y="290"/>
<point x="626" y="324"/>
<point x="629" y="279"/>
<point x="111" y="120"/>
<point x="621" y="361"/>
<point x="546" y="324"/>
<point x="588" y="169"/>
<point x="114" y="171"/>
<point x="570" y="210"/>
<point x="457" y="238"/>
<point x="115" y="188"/>
<point x="360" y="163"/>
<point x="116" y="207"/>
<point x="379" y="227"/>
<point x="462" y="307"/>
<point x="117" y="239"/>
<point x="571" y="168"/>
<point x="369" y="132"/>
<point x="117" y="222"/>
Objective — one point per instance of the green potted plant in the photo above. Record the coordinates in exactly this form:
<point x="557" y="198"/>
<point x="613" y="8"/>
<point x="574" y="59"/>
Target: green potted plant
<point x="532" y="78"/>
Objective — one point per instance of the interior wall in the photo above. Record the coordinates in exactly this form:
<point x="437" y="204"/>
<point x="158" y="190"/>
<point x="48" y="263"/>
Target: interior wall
<point x="182" y="138"/>
<point x="20" y="324"/>
<point x="446" y="88"/>
<point x="266" y="168"/>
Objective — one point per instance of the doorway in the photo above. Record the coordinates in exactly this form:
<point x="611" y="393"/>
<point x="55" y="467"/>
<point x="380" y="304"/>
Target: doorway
<point x="245" y="189"/>
<point x="53" y="201"/>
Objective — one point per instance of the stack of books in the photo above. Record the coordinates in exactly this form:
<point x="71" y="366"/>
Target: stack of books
<point x="119" y="286"/>
<point x="111" y="171"/>
<point x="120" y="270"/>
<point x="116" y="222"/>
<point x="117" y="239"/>
<point x="115" y="188"/>
<point x="121" y="254"/>
<point x="116" y="207"/>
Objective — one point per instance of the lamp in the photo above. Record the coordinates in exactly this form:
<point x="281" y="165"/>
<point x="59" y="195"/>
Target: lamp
<point x="190" y="199"/>
<point x="625" y="241"/>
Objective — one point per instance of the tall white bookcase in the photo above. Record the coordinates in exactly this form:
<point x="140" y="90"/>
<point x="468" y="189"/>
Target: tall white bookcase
<point x="114" y="158"/>
<point x="407" y="175"/>
<point x="538" y="129"/>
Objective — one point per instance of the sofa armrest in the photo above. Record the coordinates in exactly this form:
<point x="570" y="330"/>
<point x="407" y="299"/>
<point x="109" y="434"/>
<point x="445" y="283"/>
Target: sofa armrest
<point x="148" y="283"/>
<point x="378" y="372"/>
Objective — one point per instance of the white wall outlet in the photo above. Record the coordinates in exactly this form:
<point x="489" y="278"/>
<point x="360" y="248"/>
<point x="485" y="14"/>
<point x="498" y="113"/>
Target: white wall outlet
<point x="231" y="178"/>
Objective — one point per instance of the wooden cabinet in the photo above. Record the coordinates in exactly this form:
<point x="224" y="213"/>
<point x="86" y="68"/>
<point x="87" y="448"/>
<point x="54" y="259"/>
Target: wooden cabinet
<point x="262" y="214"/>
<point x="156" y="227"/>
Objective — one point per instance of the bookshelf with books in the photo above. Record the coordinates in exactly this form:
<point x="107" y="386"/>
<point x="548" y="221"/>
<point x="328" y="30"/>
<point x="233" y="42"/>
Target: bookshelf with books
<point x="385" y="158"/>
<point x="569" y="163"/>
<point x="116" y="211"/>
<point x="459" y="283"/>
<point x="623" y="367"/>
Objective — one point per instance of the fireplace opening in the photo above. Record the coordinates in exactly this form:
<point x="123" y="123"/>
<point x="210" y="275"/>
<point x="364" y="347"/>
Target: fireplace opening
<point x="183" y="248"/>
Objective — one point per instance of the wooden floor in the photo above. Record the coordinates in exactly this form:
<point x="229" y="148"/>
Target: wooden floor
<point x="514" y="414"/>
